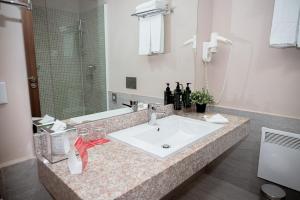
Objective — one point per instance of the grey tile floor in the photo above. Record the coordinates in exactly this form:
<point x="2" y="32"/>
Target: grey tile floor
<point x="21" y="182"/>
<point x="206" y="187"/>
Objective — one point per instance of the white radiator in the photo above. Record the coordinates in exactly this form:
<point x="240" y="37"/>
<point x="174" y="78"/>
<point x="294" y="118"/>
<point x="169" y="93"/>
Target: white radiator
<point x="279" y="159"/>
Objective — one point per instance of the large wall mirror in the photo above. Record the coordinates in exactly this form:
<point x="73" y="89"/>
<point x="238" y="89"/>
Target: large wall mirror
<point x="88" y="59"/>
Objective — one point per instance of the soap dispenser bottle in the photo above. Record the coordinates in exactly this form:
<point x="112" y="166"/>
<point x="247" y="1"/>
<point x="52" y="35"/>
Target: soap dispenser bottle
<point x="187" y="96"/>
<point x="168" y="95"/>
<point x="177" y="97"/>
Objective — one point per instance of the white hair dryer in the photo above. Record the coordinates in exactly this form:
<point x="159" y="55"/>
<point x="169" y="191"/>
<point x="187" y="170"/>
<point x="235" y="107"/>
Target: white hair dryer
<point x="209" y="48"/>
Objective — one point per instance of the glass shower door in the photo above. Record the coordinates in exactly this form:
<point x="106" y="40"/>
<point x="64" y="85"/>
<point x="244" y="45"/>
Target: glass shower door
<point x="70" y="48"/>
<point x="93" y="58"/>
<point x="65" y="59"/>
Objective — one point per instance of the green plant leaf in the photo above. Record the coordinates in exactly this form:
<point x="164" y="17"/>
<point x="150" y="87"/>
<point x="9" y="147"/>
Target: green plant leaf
<point x="202" y="97"/>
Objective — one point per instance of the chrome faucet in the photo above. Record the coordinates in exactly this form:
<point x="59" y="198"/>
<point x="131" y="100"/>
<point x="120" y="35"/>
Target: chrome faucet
<point x="133" y="105"/>
<point x="152" y="113"/>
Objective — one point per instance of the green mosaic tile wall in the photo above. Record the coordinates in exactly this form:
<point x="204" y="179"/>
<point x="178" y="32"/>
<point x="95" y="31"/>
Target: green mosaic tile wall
<point x="68" y="87"/>
<point x="93" y="53"/>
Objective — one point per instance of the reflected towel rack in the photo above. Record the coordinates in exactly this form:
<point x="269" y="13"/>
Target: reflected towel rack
<point x="149" y="13"/>
<point x="27" y="5"/>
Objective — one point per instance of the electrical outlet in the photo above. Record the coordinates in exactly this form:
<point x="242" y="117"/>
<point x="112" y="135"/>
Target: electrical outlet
<point x="114" y="97"/>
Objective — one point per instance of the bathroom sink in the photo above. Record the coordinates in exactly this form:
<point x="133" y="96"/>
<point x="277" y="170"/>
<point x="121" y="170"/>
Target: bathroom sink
<point x="169" y="135"/>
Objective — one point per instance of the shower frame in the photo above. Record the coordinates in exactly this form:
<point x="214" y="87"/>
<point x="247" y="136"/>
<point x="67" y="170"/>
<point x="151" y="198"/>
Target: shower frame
<point x="32" y="75"/>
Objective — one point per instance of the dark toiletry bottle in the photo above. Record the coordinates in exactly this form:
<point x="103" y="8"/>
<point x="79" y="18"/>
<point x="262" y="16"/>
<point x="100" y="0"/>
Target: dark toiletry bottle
<point x="182" y="96"/>
<point x="168" y="95"/>
<point x="177" y="97"/>
<point x="187" y="96"/>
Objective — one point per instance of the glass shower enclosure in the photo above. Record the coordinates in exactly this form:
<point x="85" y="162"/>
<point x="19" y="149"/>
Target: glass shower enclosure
<point x="69" y="38"/>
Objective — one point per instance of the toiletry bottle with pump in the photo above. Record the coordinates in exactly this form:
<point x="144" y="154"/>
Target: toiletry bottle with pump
<point x="168" y="95"/>
<point x="183" y="95"/>
<point x="177" y="97"/>
<point x="187" y="96"/>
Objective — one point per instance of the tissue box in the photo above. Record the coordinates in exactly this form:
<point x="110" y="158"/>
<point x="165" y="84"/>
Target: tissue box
<point x="37" y="126"/>
<point x="54" y="145"/>
<point x="38" y="142"/>
<point x="39" y="136"/>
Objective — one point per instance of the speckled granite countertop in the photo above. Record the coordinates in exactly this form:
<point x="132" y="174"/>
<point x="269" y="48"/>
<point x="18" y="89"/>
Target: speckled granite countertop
<point x="119" y="171"/>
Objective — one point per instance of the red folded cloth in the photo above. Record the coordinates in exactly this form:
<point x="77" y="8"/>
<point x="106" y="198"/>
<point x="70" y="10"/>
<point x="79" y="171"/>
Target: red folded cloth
<point x="82" y="147"/>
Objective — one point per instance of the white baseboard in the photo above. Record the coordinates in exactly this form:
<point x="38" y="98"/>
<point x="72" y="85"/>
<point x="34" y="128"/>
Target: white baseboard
<point x="15" y="161"/>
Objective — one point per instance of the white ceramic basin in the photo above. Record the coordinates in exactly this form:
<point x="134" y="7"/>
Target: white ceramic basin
<point x="173" y="132"/>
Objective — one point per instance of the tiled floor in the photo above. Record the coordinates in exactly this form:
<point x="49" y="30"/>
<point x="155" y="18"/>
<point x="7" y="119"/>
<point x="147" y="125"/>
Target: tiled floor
<point x="20" y="182"/>
<point x="205" y="187"/>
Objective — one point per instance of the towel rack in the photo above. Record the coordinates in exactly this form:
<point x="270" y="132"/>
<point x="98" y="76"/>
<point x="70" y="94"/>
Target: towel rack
<point x="152" y="12"/>
<point x="27" y="5"/>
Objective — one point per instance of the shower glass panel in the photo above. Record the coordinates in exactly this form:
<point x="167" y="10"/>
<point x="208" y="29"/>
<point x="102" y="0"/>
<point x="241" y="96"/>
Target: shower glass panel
<point x="70" y="54"/>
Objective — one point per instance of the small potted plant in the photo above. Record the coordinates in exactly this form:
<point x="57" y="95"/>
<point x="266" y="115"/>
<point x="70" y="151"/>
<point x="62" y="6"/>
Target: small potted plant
<point x="201" y="99"/>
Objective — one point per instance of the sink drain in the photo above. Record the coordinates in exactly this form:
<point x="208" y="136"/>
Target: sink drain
<point x="165" y="146"/>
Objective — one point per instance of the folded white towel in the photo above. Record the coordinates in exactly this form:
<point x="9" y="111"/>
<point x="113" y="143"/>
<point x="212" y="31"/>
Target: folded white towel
<point x="47" y="119"/>
<point x="285" y="24"/>
<point x="157" y="33"/>
<point x="145" y="36"/>
<point x="58" y="126"/>
<point x="218" y="119"/>
<point x="151" y="5"/>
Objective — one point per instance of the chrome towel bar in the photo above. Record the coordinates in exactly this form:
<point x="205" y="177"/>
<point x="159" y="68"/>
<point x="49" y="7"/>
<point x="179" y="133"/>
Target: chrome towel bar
<point x="150" y="13"/>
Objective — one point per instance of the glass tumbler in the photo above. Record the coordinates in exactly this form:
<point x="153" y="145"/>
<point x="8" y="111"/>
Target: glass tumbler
<point x="84" y="133"/>
<point x="98" y="132"/>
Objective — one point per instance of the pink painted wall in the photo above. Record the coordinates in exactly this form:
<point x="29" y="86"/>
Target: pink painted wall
<point x="15" y="117"/>
<point x="204" y="23"/>
<point x="260" y="78"/>
<point x="152" y="72"/>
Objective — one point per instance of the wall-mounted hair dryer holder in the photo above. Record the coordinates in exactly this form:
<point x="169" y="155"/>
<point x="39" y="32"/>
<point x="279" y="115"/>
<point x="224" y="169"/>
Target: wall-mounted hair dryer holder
<point x="209" y="48"/>
<point x="192" y="41"/>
